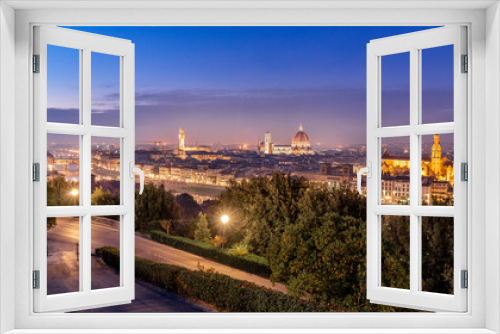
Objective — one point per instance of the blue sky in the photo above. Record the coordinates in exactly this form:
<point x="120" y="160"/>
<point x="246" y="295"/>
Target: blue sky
<point x="232" y="84"/>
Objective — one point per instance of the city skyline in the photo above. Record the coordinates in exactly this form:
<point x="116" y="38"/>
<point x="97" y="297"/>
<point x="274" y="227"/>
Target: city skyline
<point x="230" y="85"/>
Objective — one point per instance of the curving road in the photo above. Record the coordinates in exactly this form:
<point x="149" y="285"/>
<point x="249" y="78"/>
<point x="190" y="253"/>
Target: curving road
<point x="107" y="235"/>
<point x="63" y="275"/>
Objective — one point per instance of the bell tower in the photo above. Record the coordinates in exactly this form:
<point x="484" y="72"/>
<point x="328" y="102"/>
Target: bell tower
<point x="268" y="146"/>
<point x="436" y="156"/>
<point x="182" y="137"/>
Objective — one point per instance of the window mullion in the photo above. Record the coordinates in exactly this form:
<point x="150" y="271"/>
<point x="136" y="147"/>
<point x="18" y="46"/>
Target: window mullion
<point x="85" y="172"/>
<point x="415" y="173"/>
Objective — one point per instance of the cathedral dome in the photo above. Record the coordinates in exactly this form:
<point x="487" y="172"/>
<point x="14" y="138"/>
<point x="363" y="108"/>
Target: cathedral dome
<point x="301" y="139"/>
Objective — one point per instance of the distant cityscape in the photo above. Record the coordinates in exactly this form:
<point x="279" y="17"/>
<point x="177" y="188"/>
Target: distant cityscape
<point x="204" y="171"/>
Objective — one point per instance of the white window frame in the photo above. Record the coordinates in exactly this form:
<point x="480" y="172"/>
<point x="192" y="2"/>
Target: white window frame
<point x="414" y="43"/>
<point x="484" y="49"/>
<point x="86" y="44"/>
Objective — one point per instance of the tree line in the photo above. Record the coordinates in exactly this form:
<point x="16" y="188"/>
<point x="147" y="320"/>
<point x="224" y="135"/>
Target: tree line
<point x="313" y="236"/>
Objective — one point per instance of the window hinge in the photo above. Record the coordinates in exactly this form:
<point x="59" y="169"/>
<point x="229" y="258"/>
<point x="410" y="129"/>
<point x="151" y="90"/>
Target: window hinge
<point x="36" y="279"/>
<point x="464" y="171"/>
<point x="36" y="63"/>
<point x="465" y="279"/>
<point x="465" y="64"/>
<point x="36" y="172"/>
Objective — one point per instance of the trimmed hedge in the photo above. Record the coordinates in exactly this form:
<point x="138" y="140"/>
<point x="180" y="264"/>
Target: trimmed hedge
<point x="250" y="263"/>
<point x="224" y="292"/>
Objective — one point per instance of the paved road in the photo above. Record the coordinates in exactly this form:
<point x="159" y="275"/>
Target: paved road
<point x="107" y="235"/>
<point x="63" y="273"/>
<point x="148" y="298"/>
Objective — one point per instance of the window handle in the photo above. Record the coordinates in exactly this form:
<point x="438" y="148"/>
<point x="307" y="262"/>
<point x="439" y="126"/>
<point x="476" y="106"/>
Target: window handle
<point x="134" y="170"/>
<point x="362" y="171"/>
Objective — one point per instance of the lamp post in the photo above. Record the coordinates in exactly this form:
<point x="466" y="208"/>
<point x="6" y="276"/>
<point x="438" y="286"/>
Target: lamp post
<point x="224" y="219"/>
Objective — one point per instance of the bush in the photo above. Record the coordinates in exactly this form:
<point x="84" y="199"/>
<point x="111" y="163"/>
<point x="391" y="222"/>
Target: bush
<point x="239" y="249"/>
<point x="224" y="292"/>
<point x="250" y="263"/>
<point x="202" y="232"/>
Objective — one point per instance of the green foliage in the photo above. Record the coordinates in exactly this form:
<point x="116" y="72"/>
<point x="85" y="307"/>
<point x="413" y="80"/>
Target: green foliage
<point x="224" y="292"/>
<point x="437" y="254"/>
<point x="239" y="249"/>
<point x="104" y="197"/>
<point x="59" y="192"/>
<point x="219" y="241"/>
<point x="155" y="204"/>
<point x="188" y="206"/>
<point x="202" y="231"/>
<point x="314" y="238"/>
<point x="250" y="263"/>
<point x="51" y="222"/>
<point x="325" y="257"/>
<point x="261" y="208"/>
<point x="396" y="251"/>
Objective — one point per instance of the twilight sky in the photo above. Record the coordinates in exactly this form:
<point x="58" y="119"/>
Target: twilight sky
<point x="232" y="84"/>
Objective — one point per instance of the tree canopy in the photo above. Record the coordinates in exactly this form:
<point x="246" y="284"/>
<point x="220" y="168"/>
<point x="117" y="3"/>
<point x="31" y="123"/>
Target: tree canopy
<point x="154" y="204"/>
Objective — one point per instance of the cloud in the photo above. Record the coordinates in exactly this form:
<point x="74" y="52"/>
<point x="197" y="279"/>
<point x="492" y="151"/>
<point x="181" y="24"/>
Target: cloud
<point x="230" y="115"/>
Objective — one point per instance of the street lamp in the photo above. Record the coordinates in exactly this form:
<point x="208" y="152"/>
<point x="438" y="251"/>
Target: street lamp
<point x="224" y="219"/>
<point x="74" y="192"/>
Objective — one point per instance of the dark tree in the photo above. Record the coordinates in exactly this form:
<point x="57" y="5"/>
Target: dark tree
<point x="155" y="204"/>
<point x="189" y="208"/>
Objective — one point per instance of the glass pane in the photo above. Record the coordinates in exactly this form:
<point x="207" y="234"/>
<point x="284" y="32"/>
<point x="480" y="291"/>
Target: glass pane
<point x="437" y="254"/>
<point x="63" y="170"/>
<point x="395" y="171"/>
<point x="105" y="171"/>
<point x="395" y="93"/>
<point x="437" y="169"/>
<point x="105" y="233"/>
<point x="437" y="84"/>
<point x="63" y="255"/>
<point x="105" y="90"/>
<point x="396" y="252"/>
<point x="63" y="85"/>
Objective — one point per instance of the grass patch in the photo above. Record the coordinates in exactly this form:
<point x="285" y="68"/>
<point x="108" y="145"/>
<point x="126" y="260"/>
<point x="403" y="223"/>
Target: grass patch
<point x="250" y="263"/>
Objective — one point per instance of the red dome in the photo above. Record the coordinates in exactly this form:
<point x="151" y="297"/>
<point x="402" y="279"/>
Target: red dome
<point x="301" y="138"/>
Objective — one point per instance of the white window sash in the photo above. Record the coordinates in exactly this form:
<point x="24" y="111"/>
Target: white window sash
<point x="86" y="43"/>
<point x="413" y="43"/>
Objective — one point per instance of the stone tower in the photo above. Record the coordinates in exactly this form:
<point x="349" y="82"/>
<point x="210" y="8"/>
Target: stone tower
<point x="436" y="156"/>
<point x="268" y="145"/>
<point x="182" y="137"/>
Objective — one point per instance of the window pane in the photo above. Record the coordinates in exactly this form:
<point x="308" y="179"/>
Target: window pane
<point x="105" y="233"/>
<point x="437" y="84"/>
<point x="105" y="89"/>
<point x="437" y="170"/>
<point x="437" y="254"/>
<point x="395" y="171"/>
<point x="396" y="252"/>
<point x="63" y="85"/>
<point x="63" y="170"/>
<point x="63" y="255"/>
<point x="105" y="171"/>
<point x="395" y="94"/>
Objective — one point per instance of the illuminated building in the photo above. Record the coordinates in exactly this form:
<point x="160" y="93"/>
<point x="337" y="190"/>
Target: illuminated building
<point x="182" y="137"/>
<point x="300" y="145"/>
<point x="436" y="166"/>
<point x="268" y="145"/>
<point x="183" y="148"/>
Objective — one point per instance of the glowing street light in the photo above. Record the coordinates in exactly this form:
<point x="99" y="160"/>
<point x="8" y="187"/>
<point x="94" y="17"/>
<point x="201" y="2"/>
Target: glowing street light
<point x="74" y="192"/>
<point x="224" y="219"/>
